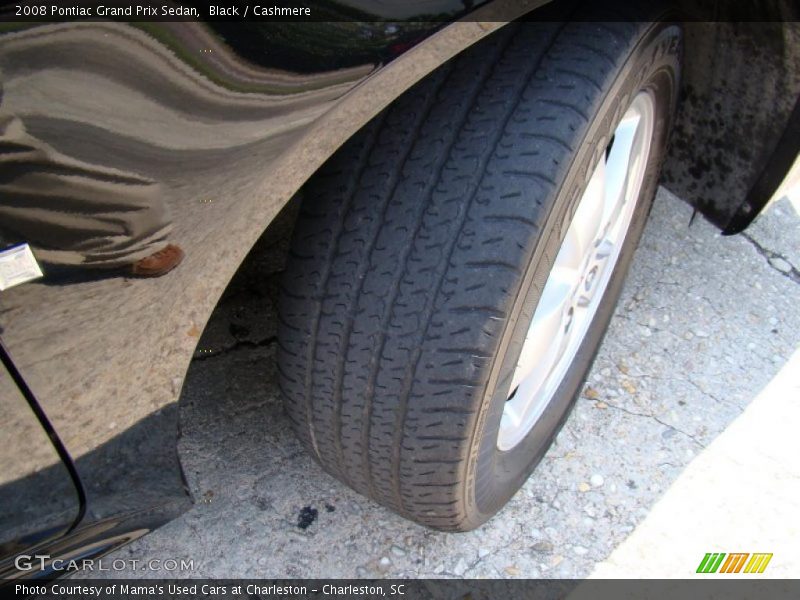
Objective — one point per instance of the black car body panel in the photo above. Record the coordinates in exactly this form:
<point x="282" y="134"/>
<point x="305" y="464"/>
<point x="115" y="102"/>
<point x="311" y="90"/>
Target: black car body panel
<point x="231" y="119"/>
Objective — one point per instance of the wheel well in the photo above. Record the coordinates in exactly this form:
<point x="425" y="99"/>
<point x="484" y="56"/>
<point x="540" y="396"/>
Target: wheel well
<point x="736" y="131"/>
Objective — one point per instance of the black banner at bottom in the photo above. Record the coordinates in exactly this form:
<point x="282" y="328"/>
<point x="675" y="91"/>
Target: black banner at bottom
<point x="435" y="589"/>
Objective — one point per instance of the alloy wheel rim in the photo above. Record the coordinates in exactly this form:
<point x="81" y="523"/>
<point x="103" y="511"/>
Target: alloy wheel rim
<point x="580" y="274"/>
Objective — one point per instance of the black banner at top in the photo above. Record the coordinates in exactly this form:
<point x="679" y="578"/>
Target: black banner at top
<point x="44" y="11"/>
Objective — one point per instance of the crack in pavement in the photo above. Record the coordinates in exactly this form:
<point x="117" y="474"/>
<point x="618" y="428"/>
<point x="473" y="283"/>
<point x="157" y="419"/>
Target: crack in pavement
<point x="238" y="345"/>
<point x="657" y="420"/>
<point x="700" y="389"/>
<point x="792" y="274"/>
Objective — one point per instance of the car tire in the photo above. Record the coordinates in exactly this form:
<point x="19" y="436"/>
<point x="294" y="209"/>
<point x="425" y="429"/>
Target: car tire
<point x="424" y="247"/>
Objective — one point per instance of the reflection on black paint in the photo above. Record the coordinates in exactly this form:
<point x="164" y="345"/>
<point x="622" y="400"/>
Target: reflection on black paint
<point x="311" y="47"/>
<point x="37" y="498"/>
<point x="135" y="473"/>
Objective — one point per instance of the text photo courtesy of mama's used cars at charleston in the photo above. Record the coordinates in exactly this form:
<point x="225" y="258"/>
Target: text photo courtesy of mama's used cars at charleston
<point x="458" y="188"/>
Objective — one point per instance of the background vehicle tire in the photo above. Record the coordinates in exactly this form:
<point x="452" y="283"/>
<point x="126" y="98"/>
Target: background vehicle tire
<point x="423" y="247"/>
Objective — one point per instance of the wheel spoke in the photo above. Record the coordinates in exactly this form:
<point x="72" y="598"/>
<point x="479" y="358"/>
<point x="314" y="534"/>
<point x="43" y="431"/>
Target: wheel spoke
<point x="510" y="417"/>
<point x="618" y="168"/>
<point x="589" y="218"/>
<point x="546" y="322"/>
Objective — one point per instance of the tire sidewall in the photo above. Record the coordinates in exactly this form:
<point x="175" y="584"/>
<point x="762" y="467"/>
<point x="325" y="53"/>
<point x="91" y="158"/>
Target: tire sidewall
<point x="493" y="476"/>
